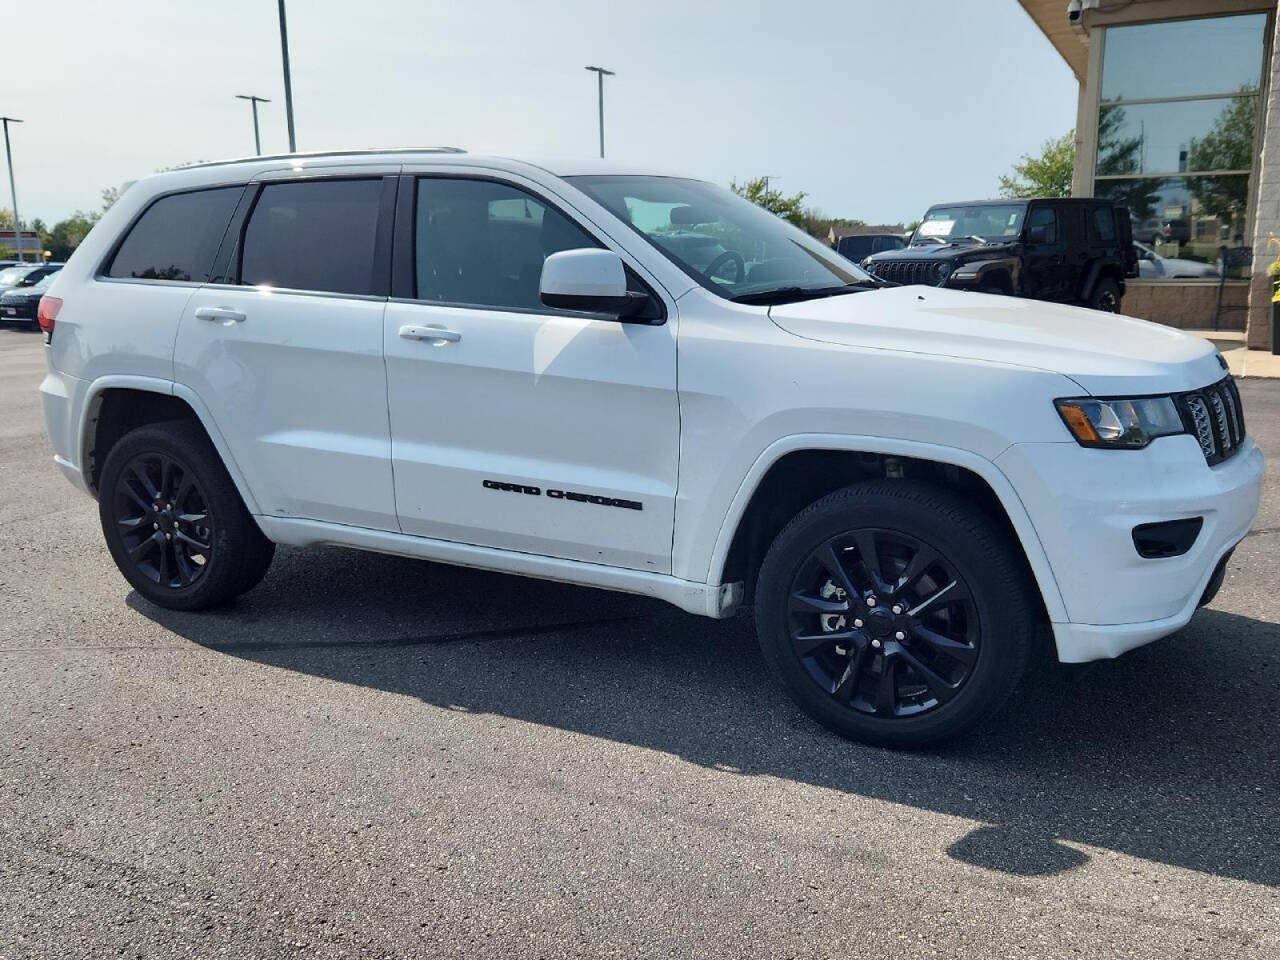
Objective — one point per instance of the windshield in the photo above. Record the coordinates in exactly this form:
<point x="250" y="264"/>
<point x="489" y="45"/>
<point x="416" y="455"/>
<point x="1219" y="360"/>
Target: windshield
<point x="724" y="242"/>
<point x="990" y="221"/>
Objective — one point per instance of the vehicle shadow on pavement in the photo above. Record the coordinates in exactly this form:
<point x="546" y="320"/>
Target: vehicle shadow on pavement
<point x="1169" y="753"/>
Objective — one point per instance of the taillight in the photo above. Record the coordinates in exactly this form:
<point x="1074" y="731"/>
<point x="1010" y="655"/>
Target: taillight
<point x="47" y="313"/>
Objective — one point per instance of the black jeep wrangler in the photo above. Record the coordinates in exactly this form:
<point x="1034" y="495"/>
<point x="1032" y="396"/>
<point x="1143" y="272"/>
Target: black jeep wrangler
<point x="1069" y="250"/>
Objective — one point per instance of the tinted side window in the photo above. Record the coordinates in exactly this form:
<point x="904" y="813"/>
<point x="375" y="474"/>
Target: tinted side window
<point x="483" y="243"/>
<point x="313" y="235"/>
<point x="1104" y="224"/>
<point x="177" y="237"/>
<point x="1044" y="217"/>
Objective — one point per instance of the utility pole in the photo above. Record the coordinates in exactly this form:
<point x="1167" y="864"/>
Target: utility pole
<point x="766" y="178"/>
<point x="288" y="84"/>
<point x="13" y="191"/>
<point x="257" y="140"/>
<point x="600" y="73"/>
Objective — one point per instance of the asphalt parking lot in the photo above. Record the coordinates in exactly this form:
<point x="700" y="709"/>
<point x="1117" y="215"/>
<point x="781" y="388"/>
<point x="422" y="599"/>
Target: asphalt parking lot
<point x="377" y="757"/>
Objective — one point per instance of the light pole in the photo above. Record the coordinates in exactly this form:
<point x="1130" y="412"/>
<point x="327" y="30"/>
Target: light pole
<point x="288" y="84"/>
<point x="257" y="141"/>
<point x="13" y="191"/>
<point x="600" y="73"/>
<point x="766" y="178"/>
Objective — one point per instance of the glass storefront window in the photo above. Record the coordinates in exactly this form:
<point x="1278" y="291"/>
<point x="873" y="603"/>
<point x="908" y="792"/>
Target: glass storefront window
<point x="1177" y="125"/>
<point x="1200" y="135"/>
<point x="1184" y="58"/>
<point x="1188" y="225"/>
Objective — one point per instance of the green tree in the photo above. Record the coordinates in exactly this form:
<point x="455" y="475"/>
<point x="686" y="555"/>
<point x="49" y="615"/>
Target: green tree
<point x="1048" y="175"/>
<point x="62" y="240"/>
<point x="790" y="208"/>
<point x="109" y="196"/>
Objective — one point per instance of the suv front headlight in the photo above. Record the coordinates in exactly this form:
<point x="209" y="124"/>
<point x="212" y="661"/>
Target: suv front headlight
<point x="1119" y="423"/>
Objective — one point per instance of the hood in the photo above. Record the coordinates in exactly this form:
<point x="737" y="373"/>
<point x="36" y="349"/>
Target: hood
<point x="1106" y="354"/>
<point x="22" y="293"/>
<point x="945" y="251"/>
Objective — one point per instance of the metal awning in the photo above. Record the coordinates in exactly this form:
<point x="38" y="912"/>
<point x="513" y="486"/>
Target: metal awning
<point x="1051" y="17"/>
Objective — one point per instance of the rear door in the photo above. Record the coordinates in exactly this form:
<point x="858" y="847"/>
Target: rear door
<point x="285" y="349"/>
<point x="520" y="426"/>
<point x="1082" y="247"/>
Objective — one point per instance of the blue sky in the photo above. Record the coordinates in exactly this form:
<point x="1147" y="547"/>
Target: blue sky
<point x="875" y="108"/>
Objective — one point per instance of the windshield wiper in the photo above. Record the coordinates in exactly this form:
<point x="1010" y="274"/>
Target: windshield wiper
<point x="790" y="294"/>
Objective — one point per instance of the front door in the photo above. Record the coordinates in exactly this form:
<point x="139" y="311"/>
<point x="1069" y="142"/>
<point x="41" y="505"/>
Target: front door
<point x="514" y="425"/>
<point x="1044" y="255"/>
<point x="286" y="352"/>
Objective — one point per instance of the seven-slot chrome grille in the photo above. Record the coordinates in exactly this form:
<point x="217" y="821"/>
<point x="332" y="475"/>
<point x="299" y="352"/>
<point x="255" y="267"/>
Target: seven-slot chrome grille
<point x="906" y="271"/>
<point x="1215" y="417"/>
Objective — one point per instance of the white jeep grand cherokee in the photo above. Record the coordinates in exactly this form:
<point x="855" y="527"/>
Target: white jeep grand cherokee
<point x="642" y="383"/>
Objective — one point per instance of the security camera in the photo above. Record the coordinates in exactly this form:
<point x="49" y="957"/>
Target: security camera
<point x="1073" y="11"/>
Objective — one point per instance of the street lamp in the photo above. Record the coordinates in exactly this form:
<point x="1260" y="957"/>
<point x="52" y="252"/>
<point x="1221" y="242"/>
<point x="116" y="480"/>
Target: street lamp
<point x="288" y="84"/>
<point x="257" y="141"/>
<point x="600" y="73"/>
<point x="13" y="191"/>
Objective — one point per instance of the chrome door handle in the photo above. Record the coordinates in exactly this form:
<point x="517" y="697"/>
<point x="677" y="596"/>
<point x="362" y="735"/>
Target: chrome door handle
<point x="414" y="331"/>
<point x="222" y="314"/>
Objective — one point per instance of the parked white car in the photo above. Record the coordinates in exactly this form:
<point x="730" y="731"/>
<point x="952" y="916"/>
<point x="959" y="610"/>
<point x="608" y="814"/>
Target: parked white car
<point x="1153" y="266"/>
<point x="495" y="364"/>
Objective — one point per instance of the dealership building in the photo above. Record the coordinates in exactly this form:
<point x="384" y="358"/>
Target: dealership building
<point x="1179" y="120"/>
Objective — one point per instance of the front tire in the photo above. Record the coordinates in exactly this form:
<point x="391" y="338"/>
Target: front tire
<point x="895" y="613"/>
<point x="173" y="521"/>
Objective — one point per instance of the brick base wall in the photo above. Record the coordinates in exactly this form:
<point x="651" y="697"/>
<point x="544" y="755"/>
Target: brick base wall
<point x="1188" y="306"/>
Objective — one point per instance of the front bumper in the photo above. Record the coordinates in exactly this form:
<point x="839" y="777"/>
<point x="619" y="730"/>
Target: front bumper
<point x="1085" y="504"/>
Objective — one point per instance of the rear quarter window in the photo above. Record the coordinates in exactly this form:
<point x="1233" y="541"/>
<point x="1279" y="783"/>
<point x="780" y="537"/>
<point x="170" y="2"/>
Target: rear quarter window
<point x="177" y="237"/>
<point x="1104" y="224"/>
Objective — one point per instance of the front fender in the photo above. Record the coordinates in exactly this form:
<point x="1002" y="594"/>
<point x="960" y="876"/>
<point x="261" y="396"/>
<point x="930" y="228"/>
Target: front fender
<point x="984" y="468"/>
<point x="973" y="273"/>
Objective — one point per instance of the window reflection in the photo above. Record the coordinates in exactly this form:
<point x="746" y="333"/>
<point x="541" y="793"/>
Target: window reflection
<point x="1184" y="58"/>
<point x="1177" y="130"/>
<point x="1177" y="137"/>
<point x="1194" y="219"/>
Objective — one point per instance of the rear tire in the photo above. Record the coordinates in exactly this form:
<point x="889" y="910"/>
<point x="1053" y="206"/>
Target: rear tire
<point x="173" y="521"/>
<point x="1105" y="296"/>
<point x="945" y="640"/>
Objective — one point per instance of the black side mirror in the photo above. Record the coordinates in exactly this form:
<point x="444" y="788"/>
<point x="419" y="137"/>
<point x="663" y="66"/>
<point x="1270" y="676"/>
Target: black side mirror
<point x="1038" y="235"/>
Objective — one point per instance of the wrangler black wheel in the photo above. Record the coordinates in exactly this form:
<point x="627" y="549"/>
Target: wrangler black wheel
<point x="895" y="613"/>
<point x="173" y="521"/>
<point x="1106" y="296"/>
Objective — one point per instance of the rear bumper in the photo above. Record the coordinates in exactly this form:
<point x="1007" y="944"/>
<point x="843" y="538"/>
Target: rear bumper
<point x="1085" y="504"/>
<point x="62" y="397"/>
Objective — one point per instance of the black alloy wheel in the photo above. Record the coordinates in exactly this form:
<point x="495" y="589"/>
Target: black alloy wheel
<point x="164" y="519"/>
<point x="883" y="623"/>
<point x="896" y="612"/>
<point x="174" y="521"/>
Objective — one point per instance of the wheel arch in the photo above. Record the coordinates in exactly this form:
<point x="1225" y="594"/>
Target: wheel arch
<point x="1102" y="270"/>
<point x="796" y="471"/>
<point x="115" y="405"/>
